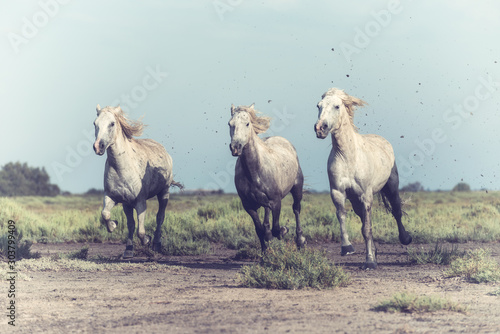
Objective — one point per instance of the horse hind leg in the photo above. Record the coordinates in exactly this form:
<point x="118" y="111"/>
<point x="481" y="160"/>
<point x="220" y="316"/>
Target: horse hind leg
<point x="160" y="217"/>
<point x="297" y="198"/>
<point x="141" y="215"/>
<point x="391" y="193"/>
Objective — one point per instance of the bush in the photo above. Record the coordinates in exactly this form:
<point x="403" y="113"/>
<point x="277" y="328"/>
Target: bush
<point x="284" y="267"/>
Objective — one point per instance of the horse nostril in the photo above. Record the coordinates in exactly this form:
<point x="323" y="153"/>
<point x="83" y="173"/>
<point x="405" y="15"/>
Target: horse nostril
<point x="323" y="127"/>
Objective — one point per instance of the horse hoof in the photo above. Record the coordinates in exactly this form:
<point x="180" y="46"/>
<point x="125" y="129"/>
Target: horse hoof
<point x="129" y="253"/>
<point x="146" y="240"/>
<point x="406" y="240"/>
<point x="157" y="246"/>
<point x="346" y="250"/>
<point x="301" y="241"/>
<point x="111" y="225"/>
<point x="369" y="266"/>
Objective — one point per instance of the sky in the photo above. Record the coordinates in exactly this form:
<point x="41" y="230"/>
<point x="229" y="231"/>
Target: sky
<point x="429" y="71"/>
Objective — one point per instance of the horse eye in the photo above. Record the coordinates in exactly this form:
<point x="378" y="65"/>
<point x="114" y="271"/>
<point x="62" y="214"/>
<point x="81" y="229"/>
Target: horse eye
<point x="337" y="107"/>
<point x="248" y="124"/>
<point x="112" y="124"/>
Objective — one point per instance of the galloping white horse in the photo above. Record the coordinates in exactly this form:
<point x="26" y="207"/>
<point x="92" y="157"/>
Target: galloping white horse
<point x="359" y="166"/>
<point x="266" y="171"/>
<point x="136" y="170"/>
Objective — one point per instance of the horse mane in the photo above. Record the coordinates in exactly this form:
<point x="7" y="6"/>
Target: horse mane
<point x="130" y="128"/>
<point x="260" y="124"/>
<point x="350" y="102"/>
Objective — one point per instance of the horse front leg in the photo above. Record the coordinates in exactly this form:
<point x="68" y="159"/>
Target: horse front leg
<point x="259" y="228"/>
<point x="108" y="204"/>
<point x="267" y="226"/>
<point x="141" y="216"/>
<point x="129" y="248"/>
<point x="278" y="232"/>
<point x="338" y="199"/>
<point x="365" y="206"/>
<point x="160" y="217"/>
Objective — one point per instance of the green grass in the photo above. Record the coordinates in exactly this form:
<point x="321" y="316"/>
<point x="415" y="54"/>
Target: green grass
<point x="439" y="255"/>
<point x="195" y="223"/>
<point x="476" y="266"/>
<point x="410" y="303"/>
<point x="284" y="267"/>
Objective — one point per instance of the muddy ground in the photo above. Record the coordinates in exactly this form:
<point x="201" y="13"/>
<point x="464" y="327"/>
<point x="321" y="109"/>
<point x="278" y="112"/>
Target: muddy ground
<point x="200" y="294"/>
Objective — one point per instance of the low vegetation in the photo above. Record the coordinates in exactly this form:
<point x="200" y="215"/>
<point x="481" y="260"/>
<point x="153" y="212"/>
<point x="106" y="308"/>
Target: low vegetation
<point x="439" y="255"/>
<point x="410" y="303"/>
<point x="476" y="266"/>
<point x="283" y="266"/>
<point x="196" y="224"/>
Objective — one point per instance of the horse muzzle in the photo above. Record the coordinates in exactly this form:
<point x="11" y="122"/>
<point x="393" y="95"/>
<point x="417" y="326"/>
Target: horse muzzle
<point x="99" y="147"/>
<point x="321" y="130"/>
<point x="235" y="149"/>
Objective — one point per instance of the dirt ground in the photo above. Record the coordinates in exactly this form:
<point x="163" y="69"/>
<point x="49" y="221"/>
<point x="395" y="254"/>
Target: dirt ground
<point x="200" y="294"/>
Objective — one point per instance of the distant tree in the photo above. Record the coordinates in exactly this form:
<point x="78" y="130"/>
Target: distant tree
<point x="413" y="187"/>
<point x="18" y="179"/>
<point x="461" y="186"/>
<point x="94" y="192"/>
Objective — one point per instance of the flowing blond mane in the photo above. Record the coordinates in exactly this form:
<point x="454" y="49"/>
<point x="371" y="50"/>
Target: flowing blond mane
<point x="260" y="124"/>
<point x="130" y="128"/>
<point x="350" y="102"/>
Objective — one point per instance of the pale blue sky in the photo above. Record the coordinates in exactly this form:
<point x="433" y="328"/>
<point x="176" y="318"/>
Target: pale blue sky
<point x="429" y="70"/>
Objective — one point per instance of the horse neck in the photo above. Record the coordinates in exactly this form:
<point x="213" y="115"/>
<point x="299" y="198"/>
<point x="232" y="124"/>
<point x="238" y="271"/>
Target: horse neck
<point x="118" y="152"/>
<point x="344" y="139"/>
<point x="251" y="156"/>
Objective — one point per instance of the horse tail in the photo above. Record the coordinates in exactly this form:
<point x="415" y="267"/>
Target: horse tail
<point x="388" y="206"/>
<point x="177" y="184"/>
<point x="385" y="201"/>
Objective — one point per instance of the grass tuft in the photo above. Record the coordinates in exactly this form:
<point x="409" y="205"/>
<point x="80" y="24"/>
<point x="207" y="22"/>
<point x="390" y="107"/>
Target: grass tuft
<point x="410" y="303"/>
<point x="439" y="255"/>
<point x="476" y="266"/>
<point x="284" y="267"/>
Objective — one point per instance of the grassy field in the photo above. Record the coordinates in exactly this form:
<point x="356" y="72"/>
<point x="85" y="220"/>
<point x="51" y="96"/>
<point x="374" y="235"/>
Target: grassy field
<point x="195" y="223"/>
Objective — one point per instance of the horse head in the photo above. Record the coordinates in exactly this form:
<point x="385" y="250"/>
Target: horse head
<point x="106" y="128"/>
<point x="241" y="127"/>
<point x="334" y="107"/>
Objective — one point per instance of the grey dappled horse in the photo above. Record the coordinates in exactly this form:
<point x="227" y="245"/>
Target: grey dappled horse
<point x="136" y="170"/>
<point x="359" y="166"/>
<point x="266" y="171"/>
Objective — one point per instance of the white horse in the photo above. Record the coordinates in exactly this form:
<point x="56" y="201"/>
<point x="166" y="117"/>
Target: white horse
<point x="136" y="170"/>
<point x="266" y="171"/>
<point x="359" y="166"/>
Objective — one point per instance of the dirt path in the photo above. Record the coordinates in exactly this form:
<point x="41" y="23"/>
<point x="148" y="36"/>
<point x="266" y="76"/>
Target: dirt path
<point x="200" y="294"/>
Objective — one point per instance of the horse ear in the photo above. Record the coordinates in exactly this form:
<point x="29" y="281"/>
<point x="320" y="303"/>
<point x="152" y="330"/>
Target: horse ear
<point x="232" y="109"/>
<point x="252" y="106"/>
<point x="98" y="109"/>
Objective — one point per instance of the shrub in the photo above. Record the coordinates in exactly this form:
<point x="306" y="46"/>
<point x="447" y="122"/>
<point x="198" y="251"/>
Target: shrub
<point x="284" y="267"/>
